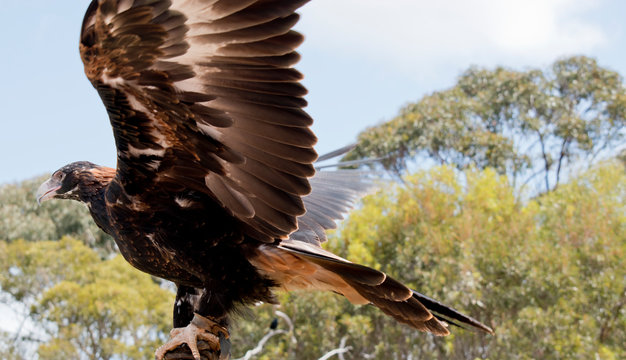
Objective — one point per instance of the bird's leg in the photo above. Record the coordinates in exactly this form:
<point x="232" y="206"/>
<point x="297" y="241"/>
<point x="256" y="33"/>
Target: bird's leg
<point x="200" y="328"/>
<point x="206" y="323"/>
<point x="186" y="299"/>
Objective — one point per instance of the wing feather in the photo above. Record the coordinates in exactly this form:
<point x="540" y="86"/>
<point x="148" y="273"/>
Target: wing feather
<point x="333" y="194"/>
<point x="279" y="45"/>
<point x="285" y="165"/>
<point x="288" y="117"/>
<point x="287" y="135"/>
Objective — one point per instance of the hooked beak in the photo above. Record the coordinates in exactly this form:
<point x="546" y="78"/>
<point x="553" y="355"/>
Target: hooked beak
<point x="47" y="190"/>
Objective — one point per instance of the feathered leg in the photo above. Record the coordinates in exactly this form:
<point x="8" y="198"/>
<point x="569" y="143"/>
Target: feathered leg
<point x="186" y="299"/>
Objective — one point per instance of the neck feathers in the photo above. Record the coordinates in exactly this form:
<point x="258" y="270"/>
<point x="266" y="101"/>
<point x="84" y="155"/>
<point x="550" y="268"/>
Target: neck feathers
<point x="93" y="182"/>
<point x="93" y="185"/>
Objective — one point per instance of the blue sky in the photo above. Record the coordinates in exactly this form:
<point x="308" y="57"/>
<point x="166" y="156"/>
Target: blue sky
<point x="362" y="61"/>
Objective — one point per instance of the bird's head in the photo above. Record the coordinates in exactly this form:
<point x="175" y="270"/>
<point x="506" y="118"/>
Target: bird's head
<point x="67" y="182"/>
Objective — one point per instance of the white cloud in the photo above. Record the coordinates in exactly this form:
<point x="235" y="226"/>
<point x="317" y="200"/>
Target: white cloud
<point x="432" y="34"/>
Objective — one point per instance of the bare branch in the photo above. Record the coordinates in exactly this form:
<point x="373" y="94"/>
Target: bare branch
<point x="339" y="351"/>
<point x="259" y="347"/>
<point x="546" y="161"/>
<point x="289" y="324"/>
<point x="561" y="156"/>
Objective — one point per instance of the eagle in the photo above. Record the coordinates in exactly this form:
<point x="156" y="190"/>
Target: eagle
<point x="215" y="187"/>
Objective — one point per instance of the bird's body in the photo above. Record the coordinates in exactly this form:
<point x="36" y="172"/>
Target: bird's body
<point x="185" y="237"/>
<point x="215" y="187"/>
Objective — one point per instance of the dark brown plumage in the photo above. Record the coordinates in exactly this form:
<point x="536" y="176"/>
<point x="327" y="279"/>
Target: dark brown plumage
<point x="215" y="159"/>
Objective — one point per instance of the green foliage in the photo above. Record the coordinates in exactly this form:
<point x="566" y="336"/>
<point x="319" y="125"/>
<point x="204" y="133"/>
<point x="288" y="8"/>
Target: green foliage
<point x="87" y="307"/>
<point x="520" y="123"/>
<point x="22" y="218"/>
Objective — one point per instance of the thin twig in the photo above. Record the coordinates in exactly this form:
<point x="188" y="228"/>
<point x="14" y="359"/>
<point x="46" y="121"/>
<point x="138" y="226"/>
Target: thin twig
<point x="342" y="349"/>
<point x="259" y="347"/>
<point x="561" y="156"/>
<point x="289" y="324"/>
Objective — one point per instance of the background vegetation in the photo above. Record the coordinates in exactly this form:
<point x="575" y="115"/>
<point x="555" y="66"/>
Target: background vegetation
<point x="529" y="125"/>
<point x="543" y="265"/>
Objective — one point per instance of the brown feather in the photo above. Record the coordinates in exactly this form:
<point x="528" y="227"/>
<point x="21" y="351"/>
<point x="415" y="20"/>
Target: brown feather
<point x="278" y="45"/>
<point x="295" y="136"/>
<point x="251" y="34"/>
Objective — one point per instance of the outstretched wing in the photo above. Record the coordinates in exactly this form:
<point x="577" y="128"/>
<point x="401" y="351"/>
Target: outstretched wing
<point x="202" y="95"/>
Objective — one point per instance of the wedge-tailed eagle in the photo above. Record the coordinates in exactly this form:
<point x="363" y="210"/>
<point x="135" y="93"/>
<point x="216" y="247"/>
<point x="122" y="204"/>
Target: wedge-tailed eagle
<point x="215" y="187"/>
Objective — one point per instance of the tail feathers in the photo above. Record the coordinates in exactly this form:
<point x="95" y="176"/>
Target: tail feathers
<point x="409" y="311"/>
<point x="450" y="315"/>
<point x="418" y="311"/>
<point x="361" y="284"/>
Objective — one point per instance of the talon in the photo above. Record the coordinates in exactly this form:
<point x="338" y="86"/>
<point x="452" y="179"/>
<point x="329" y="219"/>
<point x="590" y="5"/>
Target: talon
<point x="209" y="324"/>
<point x="188" y="335"/>
<point x="200" y="328"/>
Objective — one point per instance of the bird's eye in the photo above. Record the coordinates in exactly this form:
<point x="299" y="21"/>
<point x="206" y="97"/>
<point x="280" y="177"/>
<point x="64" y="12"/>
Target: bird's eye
<point x="59" y="175"/>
